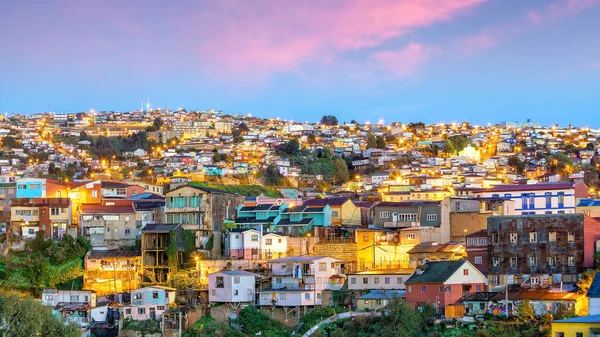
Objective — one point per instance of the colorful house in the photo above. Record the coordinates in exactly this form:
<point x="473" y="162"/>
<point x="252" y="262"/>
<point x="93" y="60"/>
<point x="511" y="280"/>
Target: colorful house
<point x="584" y="326"/>
<point x="31" y="188"/>
<point x="149" y="303"/>
<point x="443" y="283"/>
<point x="343" y="210"/>
<point x="377" y="299"/>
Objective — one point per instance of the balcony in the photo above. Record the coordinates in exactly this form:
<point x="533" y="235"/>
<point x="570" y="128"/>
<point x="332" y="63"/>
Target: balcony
<point x="400" y="224"/>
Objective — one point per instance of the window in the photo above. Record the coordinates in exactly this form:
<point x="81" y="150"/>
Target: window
<point x="141" y="311"/>
<point x="532" y="237"/>
<point x="513" y="237"/>
<point x="36" y="186"/>
<point x="235" y="292"/>
<point x="160" y="307"/>
<point x="138" y="296"/>
<point x="533" y="261"/>
<point x="74" y="298"/>
<point x="384" y="215"/>
<point x="21" y="187"/>
<point x="561" y="199"/>
<point x="282" y="296"/>
<point x="219" y="282"/>
<point x="307" y="296"/>
<point x="268" y="242"/>
<point x="353" y="280"/>
<point x="478" y="260"/>
<point x="386" y="280"/>
<point x="448" y="289"/>
<point x="365" y="280"/>
<point x="155" y="294"/>
<point x="466" y="272"/>
<point x="513" y="262"/>
<point x="410" y="289"/>
<point x="376" y="280"/>
<point x="495" y="238"/>
<point x="127" y="231"/>
<point x="322" y="266"/>
<point x="548" y="199"/>
<point x="496" y="280"/>
<point x="548" y="212"/>
<point x="552" y="236"/>
<point x="411" y="237"/>
<point x="236" y="280"/>
<point x="334" y="214"/>
<point x="495" y="261"/>
<point x="431" y="217"/>
<point x="254" y="237"/>
<point x="121" y="191"/>
<point x="535" y="280"/>
<point x="579" y="334"/>
<point x="94" y="194"/>
<point x="571" y="261"/>
<point x="423" y="289"/>
<point x="128" y="311"/>
<point x="507" y="195"/>
<point x="551" y="261"/>
<point x="30" y="231"/>
<point x="478" y="288"/>
<point x="365" y="237"/>
<point x="54" y="211"/>
<point x="571" y="237"/>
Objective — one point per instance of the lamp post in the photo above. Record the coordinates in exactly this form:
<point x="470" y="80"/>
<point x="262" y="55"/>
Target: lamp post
<point x="197" y="259"/>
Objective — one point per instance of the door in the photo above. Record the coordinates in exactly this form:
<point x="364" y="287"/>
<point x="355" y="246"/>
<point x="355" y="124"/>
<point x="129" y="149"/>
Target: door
<point x="394" y="217"/>
<point x="152" y="313"/>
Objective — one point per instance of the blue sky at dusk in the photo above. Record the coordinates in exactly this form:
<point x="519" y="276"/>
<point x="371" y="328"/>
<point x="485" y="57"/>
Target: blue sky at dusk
<point x="404" y="60"/>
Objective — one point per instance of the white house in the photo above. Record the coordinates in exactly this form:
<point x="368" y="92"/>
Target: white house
<point x="548" y="198"/>
<point x="274" y="245"/>
<point x="385" y="279"/>
<point x="379" y="178"/>
<point x="51" y="297"/>
<point x="299" y="280"/>
<point x="229" y="286"/>
<point x="243" y="243"/>
<point x="149" y="303"/>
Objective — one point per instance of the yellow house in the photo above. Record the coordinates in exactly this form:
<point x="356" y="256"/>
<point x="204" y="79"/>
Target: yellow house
<point x="343" y="210"/>
<point x="434" y="194"/>
<point x="584" y="326"/>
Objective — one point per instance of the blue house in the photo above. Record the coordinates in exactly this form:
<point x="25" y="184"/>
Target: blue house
<point x="264" y="215"/>
<point x="295" y="220"/>
<point x="31" y="188"/>
<point x="211" y="170"/>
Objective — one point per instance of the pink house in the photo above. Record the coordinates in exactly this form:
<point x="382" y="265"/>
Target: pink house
<point x="442" y="283"/>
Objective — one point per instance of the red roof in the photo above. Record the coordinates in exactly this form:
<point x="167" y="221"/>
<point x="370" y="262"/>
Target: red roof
<point x="101" y="209"/>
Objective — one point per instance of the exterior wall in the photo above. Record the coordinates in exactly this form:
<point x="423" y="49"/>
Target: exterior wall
<point x="571" y="329"/>
<point x="539" y="205"/>
<point x="432" y="293"/>
<point x="143" y="312"/>
<point x="594" y="306"/>
<point x="31" y="188"/>
<point x="245" y="288"/>
<point x="500" y="247"/>
<point x="433" y="210"/>
<point x="350" y="214"/>
<point x="109" y="233"/>
<point x="396" y="281"/>
<point x="591" y="235"/>
<point x="152" y="296"/>
<point x="475" y="252"/>
<point x="69" y="296"/>
<point x="276" y="249"/>
<point x="287" y="298"/>
<point x="462" y="224"/>
<point x="371" y="305"/>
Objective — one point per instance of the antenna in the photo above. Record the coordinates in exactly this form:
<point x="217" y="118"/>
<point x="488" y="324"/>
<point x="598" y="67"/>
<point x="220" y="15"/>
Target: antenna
<point x="147" y="103"/>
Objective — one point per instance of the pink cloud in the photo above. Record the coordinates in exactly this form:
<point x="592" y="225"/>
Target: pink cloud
<point x="477" y="43"/>
<point x="559" y="9"/>
<point x="403" y="62"/>
<point x="260" y="38"/>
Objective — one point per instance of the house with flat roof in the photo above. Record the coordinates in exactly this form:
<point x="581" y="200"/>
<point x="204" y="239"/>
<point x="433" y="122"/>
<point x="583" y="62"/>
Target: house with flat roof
<point x="232" y="286"/>
<point x="382" y="279"/>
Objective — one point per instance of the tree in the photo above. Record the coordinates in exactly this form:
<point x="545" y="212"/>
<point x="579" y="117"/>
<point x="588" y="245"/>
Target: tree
<point x="381" y="142"/>
<point x="9" y="142"/>
<point x="517" y="164"/>
<point x="585" y="282"/>
<point x="272" y="176"/>
<point x="290" y="148"/>
<point x="311" y="139"/>
<point x="371" y="141"/>
<point x="401" y="320"/>
<point x="455" y="144"/>
<point x="340" y="171"/>
<point x="525" y="310"/>
<point x="329" y="120"/>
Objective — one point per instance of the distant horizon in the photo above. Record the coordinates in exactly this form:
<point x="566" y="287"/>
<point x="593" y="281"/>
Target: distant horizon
<point x="340" y="121"/>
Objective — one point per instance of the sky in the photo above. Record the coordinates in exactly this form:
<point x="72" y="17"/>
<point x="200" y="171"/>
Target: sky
<point x="404" y="60"/>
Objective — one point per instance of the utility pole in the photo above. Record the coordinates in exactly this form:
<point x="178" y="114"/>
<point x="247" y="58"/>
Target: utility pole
<point x="179" y="323"/>
<point x="506" y="293"/>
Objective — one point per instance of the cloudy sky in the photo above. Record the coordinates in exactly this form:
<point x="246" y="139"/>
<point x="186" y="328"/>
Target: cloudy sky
<point x="403" y="60"/>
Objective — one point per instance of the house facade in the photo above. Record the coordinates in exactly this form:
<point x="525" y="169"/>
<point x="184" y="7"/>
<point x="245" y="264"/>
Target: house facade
<point x="107" y="225"/>
<point x="476" y="248"/>
<point x="149" y="303"/>
<point x="299" y="280"/>
<point x="443" y="283"/>
<point x="229" y="286"/>
<point x="406" y="214"/>
<point x="49" y="215"/>
<point x="540" y="249"/>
